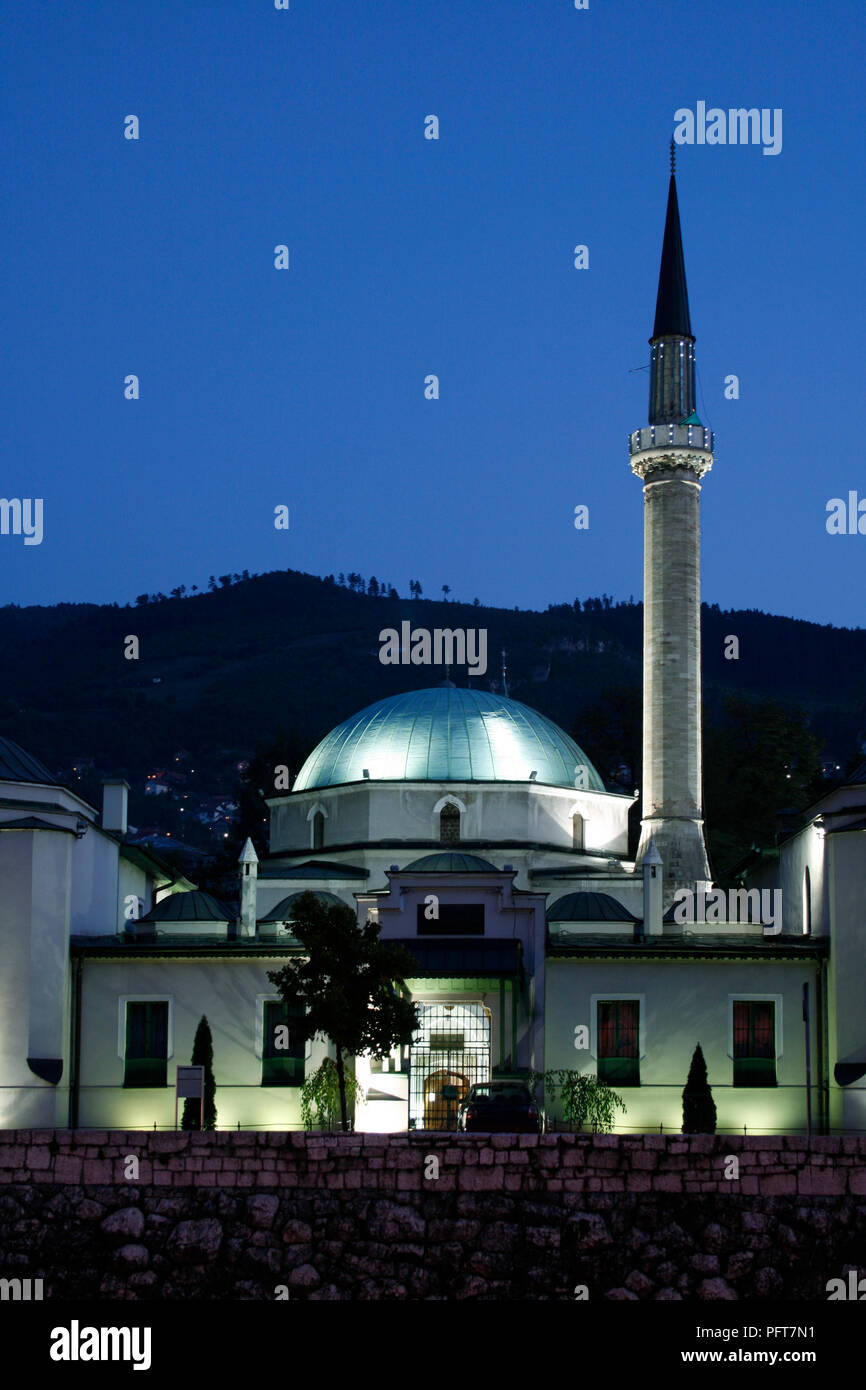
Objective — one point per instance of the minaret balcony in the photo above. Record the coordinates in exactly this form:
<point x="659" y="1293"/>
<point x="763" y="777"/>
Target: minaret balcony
<point x="670" y="437"/>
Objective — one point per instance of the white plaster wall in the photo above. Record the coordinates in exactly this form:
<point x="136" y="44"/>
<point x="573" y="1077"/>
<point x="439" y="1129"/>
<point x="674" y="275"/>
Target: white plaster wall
<point x="847" y="972"/>
<point x="226" y="991"/>
<point x="34" y="923"/>
<point x="491" y="811"/>
<point x="686" y="1002"/>
<point x="803" y="850"/>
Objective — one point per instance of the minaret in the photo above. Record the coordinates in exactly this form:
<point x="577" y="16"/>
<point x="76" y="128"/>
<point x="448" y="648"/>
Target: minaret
<point x="671" y="456"/>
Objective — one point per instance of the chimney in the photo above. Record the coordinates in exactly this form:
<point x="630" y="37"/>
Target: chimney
<point x="249" y="871"/>
<point x="653" y="881"/>
<point x="115" y="797"/>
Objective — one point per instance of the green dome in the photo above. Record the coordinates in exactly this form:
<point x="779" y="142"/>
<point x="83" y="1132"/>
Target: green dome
<point x="451" y="862"/>
<point x="447" y="734"/>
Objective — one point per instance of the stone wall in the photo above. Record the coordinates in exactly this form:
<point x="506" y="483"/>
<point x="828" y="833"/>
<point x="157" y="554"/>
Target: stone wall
<point x="429" y="1215"/>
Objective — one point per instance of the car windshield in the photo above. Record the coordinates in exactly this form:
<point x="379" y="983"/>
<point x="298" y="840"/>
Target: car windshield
<point x="507" y="1094"/>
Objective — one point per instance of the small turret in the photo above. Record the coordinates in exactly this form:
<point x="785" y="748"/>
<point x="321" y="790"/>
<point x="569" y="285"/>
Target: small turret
<point x="249" y="872"/>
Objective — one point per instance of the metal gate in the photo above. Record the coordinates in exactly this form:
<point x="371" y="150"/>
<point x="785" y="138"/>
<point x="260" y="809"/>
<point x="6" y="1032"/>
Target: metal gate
<point x="451" y="1051"/>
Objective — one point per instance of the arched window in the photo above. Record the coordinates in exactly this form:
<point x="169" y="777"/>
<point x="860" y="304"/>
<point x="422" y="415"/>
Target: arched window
<point x="449" y="825"/>
<point x="577" y="831"/>
<point x="318" y="830"/>
<point x="807" y="903"/>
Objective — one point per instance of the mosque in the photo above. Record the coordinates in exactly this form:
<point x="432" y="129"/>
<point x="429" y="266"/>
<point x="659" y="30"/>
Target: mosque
<point x="478" y="834"/>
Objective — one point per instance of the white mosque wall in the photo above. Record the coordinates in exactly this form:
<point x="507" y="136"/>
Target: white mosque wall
<point x="229" y="992"/>
<point x="365" y="813"/>
<point x="34" y="1002"/>
<point x="846" y="854"/>
<point x="803" y="851"/>
<point x="683" y="1003"/>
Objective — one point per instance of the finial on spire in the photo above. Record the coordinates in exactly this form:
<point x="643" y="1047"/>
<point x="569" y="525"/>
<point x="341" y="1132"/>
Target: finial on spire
<point x="673" y="156"/>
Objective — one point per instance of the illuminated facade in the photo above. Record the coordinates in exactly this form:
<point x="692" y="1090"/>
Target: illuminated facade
<point x="480" y="835"/>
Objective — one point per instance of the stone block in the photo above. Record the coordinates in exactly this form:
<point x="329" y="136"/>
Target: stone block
<point x="667" y="1182"/>
<point x="98" y="1171"/>
<point x="481" y="1179"/>
<point x="822" y="1182"/>
<point x="778" y="1184"/>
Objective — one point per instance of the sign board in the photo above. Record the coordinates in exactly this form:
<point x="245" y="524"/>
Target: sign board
<point x="190" y="1083"/>
<point x="190" y="1086"/>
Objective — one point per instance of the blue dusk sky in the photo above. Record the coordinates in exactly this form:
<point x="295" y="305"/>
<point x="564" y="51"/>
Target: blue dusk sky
<point x="305" y="387"/>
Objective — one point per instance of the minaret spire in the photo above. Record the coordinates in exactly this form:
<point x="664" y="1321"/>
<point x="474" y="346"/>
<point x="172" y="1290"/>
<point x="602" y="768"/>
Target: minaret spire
<point x="672" y="367"/>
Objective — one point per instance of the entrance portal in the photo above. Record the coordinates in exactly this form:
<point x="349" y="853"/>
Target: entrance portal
<point x="450" y="1053"/>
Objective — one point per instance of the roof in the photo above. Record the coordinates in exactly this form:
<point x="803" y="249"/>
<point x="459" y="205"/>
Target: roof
<point x="672" y="302"/>
<point x="189" y="907"/>
<point x="589" y="907"/>
<point x="17" y="765"/>
<point x="314" y="868"/>
<point x="450" y="862"/>
<point x="34" y="823"/>
<point x="695" y="946"/>
<point x="446" y="734"/>
<point x="282" y="912"/>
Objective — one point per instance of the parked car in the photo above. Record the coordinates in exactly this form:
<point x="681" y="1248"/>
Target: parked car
<point x="500" y="1107"/>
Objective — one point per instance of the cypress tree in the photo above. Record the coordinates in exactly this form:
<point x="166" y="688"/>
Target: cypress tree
<point x="699" y="1108"/>
<point x="202" y="1056"/>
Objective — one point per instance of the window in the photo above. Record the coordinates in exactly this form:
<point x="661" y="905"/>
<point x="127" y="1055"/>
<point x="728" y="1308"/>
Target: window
<point x="453" y="919"/>
<point x="449" y="825"/>
<point x="146" y="1055"/>
<point x="318" y="830"/>
<point x="577" y="831"/>
<point x="754" y="1042"/>
<point x="618" y="1042"/>
<point x="281" y="1066"/>
<point x="807" y="903"/>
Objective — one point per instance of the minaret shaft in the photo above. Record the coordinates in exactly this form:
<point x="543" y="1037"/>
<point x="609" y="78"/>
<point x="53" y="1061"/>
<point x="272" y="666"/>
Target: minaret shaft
<point x="672" y="809"/>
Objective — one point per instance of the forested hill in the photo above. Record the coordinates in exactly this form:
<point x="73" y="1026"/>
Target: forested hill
<point x="280" y="658"/>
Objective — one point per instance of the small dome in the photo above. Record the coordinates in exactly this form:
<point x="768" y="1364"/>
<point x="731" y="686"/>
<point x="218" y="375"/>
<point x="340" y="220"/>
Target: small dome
<point x="589" y="907"/>
<point x="451" y="862"/>
<point x="189" y="907"/>
<point x="283" y="910"/>
<point x="448" y="734"/>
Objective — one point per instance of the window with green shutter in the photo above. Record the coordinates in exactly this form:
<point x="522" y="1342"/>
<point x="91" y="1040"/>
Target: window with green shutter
<point x="146" y="1057"/>
<point x="618" y="1042"/>
<point x="754" y="1042"/>
<point x="281" y="1066"/>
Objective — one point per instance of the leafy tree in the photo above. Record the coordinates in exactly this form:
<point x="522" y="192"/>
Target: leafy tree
<point x="585" y="1099"/>
<point x="446" y="590"/>
<point x="373" y="587"/>
<point x="142" y="600"/>
<point x="759" y="757"/>
<point x="212" y="584"/>
<point x="202" y="1056"/>
<point x="320" y="1095"/>
<point x="699" y="1108"/>
<point x="345" y="985"/>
